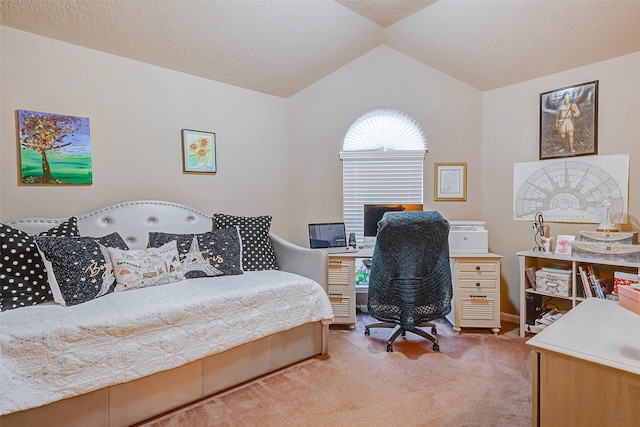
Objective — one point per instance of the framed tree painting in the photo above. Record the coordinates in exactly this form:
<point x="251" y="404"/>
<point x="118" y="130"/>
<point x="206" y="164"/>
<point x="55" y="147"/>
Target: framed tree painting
<point x="569" y="121"/>
<point x="198" y="152"/>
<point x="55" y="149"/>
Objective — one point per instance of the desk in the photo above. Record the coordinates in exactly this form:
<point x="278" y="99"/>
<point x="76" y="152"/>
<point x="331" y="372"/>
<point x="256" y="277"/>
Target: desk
<point x="476" y="288"/>
<point x="586" y="368"/>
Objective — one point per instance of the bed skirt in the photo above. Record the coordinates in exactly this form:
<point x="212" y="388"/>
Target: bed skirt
<point x="139" y="400"/>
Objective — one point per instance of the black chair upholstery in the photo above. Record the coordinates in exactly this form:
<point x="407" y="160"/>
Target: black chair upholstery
<point x="410" y="278"/>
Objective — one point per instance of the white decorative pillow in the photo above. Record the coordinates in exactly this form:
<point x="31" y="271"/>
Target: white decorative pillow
<point x="146" y="267"/>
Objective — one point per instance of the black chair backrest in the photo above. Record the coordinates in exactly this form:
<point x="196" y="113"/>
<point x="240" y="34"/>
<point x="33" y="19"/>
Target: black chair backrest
<point x="410" y="277"/>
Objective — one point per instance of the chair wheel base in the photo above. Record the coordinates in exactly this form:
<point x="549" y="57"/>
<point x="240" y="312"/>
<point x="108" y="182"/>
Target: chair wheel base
<point x="367" y="332"/>
<point x="436" y="348"/>
<point x="389" y="348"/>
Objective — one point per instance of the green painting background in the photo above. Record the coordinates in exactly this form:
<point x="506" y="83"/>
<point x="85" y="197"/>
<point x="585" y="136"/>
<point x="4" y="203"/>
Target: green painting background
<point x="71" y="169"/>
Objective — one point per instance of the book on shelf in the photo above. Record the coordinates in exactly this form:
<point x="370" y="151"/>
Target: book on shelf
<point x="597" y="289"/>
<point x="531" y="276"/>
<point x="586" y="284"/>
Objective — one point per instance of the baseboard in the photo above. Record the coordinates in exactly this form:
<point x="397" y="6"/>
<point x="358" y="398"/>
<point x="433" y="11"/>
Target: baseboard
<point x="511" y="318"/>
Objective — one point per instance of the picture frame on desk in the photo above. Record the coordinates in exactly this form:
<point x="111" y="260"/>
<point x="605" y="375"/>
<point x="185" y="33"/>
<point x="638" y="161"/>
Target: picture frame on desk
<point x="563" y="244"/>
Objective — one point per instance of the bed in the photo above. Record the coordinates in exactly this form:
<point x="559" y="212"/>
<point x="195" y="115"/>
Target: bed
<point x="128" y="356"/>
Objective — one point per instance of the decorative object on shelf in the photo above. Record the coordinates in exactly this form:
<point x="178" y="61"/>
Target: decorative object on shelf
<point x="450" y="182"/>
<point x="542" y="242"/>
<point x="615" y="246"/>
<point x="626" y="237"/>
<point x="610" y="251"/>
<point x="569" y="121"/>
<point x="563" y="244"/>
<point x="55" y="149"/>
<point x="607" y="224"/>
<point x="198" y="152"/>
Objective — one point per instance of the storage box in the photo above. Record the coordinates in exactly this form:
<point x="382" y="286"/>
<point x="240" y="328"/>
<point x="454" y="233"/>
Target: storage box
<point x="621" y="278"/>
<point x="629" y="298"/>
<point x="620" y="237"/>
<point x="609" y="251"/>
<point x="553" y="283"/>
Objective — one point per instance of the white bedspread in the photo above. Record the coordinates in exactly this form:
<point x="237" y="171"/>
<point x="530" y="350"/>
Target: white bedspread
<point x="50" y="352"/>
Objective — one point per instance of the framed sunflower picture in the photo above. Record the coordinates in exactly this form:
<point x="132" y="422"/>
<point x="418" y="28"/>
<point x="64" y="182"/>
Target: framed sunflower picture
<point x="198" y="151"/>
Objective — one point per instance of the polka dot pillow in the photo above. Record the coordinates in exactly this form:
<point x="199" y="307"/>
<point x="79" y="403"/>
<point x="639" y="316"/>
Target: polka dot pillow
<point x="23" y="277"/>
<point x="257" y="250"/>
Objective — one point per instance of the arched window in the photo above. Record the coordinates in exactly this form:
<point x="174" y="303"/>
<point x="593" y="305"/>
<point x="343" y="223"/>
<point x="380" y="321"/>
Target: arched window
<point x="382" y="154"/>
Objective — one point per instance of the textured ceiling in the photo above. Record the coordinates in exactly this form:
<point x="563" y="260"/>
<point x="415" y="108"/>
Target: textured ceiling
<point x="280" y="47"/>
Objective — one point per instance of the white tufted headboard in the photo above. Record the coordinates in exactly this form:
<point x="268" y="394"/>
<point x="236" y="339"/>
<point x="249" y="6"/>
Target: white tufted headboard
<point x="133" y="220"/>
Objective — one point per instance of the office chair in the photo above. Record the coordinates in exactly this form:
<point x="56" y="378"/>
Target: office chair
<point x="410" y="278"/>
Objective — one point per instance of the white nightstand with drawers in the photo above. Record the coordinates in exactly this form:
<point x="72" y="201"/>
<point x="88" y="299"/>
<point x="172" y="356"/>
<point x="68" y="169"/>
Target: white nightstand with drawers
<point x="476" y="291"/>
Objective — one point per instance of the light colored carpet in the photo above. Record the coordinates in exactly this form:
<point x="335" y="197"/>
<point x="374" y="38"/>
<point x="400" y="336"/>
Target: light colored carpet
<point x="477" y="379"/>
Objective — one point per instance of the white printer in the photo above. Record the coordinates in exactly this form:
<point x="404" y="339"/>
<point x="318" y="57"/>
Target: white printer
<point x="468" y="237"/>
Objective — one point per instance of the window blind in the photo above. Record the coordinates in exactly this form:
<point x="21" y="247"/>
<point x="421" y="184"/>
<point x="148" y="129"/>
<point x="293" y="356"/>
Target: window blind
<point x="379" y="177"/>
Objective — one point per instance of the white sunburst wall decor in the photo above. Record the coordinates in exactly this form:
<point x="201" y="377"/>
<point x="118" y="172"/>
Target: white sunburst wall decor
<point x="384" y="130"/>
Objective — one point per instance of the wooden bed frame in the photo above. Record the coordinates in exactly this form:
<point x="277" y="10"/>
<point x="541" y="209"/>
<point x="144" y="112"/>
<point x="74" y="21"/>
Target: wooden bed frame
<point x="135" y="401"/>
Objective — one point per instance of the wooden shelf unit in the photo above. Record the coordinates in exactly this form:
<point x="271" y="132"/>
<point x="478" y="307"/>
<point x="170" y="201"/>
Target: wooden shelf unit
<point x="540" y="259"/>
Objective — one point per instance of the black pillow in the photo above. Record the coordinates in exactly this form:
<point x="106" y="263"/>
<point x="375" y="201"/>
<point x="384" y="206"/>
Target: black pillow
<point x="81" y="267"/>
<point x="257" y="250"/>
<point x="23" y="277"/>
<point x="214" y="253"/>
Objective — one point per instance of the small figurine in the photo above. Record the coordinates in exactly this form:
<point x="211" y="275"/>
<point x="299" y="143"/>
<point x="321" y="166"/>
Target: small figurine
<point x="607" y="223"/>
<point x="546" y="243"/>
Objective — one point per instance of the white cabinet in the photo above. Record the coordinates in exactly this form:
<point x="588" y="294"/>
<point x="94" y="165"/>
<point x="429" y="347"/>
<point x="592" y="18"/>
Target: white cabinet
<point x="532" y="302"/>
<point x="342" y="289"/>
<point x="476" y="291"/>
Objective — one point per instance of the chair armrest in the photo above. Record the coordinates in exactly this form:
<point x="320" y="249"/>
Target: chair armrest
<point x="292" y="258"/>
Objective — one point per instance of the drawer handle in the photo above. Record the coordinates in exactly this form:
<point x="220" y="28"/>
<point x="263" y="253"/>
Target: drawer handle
<point x="478" y="296"/>
<point x="477" y="268"/>
<point x="478" y="284"/>
<point x="335" y="295"/>
<point x="335" y="262"/>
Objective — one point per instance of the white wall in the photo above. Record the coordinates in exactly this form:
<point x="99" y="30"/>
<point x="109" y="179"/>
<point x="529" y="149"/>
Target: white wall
<point x="448" y="111"/>
<point x="136" y="114"/>
<point x="280" y="156"/>
<point x="510" y="135"/>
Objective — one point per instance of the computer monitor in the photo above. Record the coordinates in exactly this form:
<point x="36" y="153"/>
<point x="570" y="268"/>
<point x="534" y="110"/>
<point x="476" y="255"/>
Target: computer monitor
<point x="373" y="214"/>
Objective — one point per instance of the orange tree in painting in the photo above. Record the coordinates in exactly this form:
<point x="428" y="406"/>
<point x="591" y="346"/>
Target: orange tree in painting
<point x="44" y="133"/>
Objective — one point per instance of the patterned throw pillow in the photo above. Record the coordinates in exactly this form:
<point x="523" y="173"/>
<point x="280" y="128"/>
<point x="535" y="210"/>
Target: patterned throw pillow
<point x="257" y="250"/>
<point x="146" y="267"/>
<point x="23" y="277"/>
<point x="214" y="253"/>
<point x="79" y="268"/>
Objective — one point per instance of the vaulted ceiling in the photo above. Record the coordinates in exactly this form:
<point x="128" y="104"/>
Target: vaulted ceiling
<point x="280" y="47"/>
